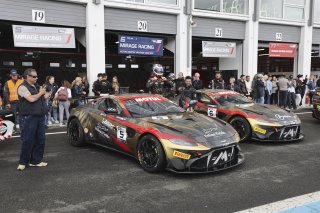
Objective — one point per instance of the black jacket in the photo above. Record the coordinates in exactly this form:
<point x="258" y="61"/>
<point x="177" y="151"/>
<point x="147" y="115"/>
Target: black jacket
<point x="242" y="87"/>
<point x="197" y="84"/>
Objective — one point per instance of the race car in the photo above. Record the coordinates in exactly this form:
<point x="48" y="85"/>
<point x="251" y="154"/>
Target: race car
<point x="262" y="122"/>
<point x="157" y="132"/>
<point x="316" y="104"/>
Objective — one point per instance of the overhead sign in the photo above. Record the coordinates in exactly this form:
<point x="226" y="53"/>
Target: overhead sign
<point x="43" y="37"/>
<point x="282" y="50"/>
<point x="133" y="45"/>
<point x="218" y="49"/>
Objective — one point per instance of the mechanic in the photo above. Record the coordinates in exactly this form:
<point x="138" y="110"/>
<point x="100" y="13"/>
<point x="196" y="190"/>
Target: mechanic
<point x="156" y="82"/>
<point x="188" y="95"/>
<point x="105" y="85"/>
<point x="10" y="94"/>
<point x="217" y="82"/>
<point x="32" y="108"/>
<point x="96" y="85"/>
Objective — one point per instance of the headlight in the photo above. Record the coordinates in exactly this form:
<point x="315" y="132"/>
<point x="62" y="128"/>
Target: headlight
<point x="182" y="142"/>
<point x="297" y="118"/>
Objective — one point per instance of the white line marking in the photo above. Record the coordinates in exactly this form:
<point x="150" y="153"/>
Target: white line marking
<point x="50" y="133"/>
<point x="301" y="113"/>
<point x="285" y="204"/>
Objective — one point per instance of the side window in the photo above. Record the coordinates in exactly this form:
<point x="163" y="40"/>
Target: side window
<point x="108" y="104"/>
<point x="205" y="99"/>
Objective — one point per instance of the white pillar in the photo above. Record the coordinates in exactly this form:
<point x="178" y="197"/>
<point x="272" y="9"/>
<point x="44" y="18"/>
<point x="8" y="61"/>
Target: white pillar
<point x="304" y="52"/>
<point x="95" y="43"/>
<point x="250" y="45"/>
<point x="183" y="53"/>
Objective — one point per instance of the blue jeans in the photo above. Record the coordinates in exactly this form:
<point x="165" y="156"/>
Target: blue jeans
<point x="260" y="100"/>
<point x="33" y="139"/>
<point x="51" y="111"/>
<point x="267" y="97"/>
<point x="283" y="98"/>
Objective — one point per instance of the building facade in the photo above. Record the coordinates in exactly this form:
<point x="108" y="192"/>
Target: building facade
<point x="233" y="36"/>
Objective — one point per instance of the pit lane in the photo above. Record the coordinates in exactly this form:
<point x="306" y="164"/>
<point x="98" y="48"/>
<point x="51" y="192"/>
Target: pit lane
<point x="93" y="179"/>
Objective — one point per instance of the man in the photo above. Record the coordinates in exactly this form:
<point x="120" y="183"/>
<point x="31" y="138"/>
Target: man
<point x="232" y="85"/>
<point x="10" y="94"/>
<point x="283" y="91"/>
<point x="312" y="88"/>
<point x="188" y="96"/>
<point x="179" y="82"/>
<point x="96" y="85"/>
<point x="156" y="81"/>
<point x="32" y="108"/>
<point x="268" y="90"/>
<point x="242" y="85"/>
<point x="217" y="82"/>
<point x="248" y="83"/>
<point x="260" y="88"/>
<point x="105" y="85"/>
<point x="292" y="93"/>
<point x="169" y="87"/>
<point x="197" y="83"/>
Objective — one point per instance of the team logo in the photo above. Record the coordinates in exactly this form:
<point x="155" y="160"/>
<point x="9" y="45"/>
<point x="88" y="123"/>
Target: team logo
<point x="6" y="129"/>
<point x="282" y="117"/>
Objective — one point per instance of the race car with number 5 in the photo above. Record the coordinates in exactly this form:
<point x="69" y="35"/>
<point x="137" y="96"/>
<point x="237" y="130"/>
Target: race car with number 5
<point x="157" y="132"/>
<point x="262" y="122"/>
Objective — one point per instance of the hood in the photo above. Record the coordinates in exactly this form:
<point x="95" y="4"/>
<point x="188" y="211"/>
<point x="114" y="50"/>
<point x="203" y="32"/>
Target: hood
<point x="274" y="113"/>
<point x="212" y="133"/>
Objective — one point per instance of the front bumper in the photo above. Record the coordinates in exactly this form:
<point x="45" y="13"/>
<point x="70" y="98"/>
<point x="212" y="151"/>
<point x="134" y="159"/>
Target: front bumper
<point x="212" y="161"/>
<point x="278" y="134"/>
<point x="316" y="111"/>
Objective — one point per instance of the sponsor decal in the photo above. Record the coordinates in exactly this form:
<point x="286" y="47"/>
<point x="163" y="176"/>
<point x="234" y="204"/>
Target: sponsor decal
<point x="102" y="130"/>
<point x="282" y="117"/>
<point x="289" y="132"/>
<point x="6" y="129"/>
<point x="214" y="134"/>
<point x="223" y="157"/>
<point x="122" y="134"/>
<point x="160" y="117"/>
<point x="260" y="130"/>
<point x="107" y="123"/>
<point x="148" y="99"/>
<point x="181" y="155"/>
<point x="227" y="93"/>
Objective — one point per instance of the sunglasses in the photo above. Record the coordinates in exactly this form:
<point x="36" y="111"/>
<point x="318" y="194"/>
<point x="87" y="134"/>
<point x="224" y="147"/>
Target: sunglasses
<point x="33" y="76"/>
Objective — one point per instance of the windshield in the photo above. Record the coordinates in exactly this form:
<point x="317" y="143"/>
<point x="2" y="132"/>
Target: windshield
<point x="231" y="100"/>
<point x="140" y="108"/>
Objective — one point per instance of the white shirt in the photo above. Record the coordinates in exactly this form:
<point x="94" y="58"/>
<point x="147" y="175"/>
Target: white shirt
<point x="69" y="92"/>
<point x="249" y="86"/>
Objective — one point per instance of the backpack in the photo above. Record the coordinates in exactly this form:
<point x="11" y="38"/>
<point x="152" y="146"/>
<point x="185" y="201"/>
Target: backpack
<point x="63" y="95"/>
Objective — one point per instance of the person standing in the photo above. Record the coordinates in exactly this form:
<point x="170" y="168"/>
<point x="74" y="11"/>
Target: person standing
<point x="10" y="94"/>
<point x="248" y="83"/>
<point x="32" y="109"/>
<point x="268" y="90"/>
<point x="217" y="82"/>
<point x="63" y="95"/>
<point x="52" y="88"/>
<point x="77" y="92"/>
<point x="312" y="88"/>
<point x="291" y="93"/>
<point x="299" y="89"/>
<point x="232" y="85"/>
<point x="197" y="83"/>
<point x="260" y="88"/>
<point x="85" y="85"/>
<point x="283" y="91"/>
<point x="156" y="81"/>
<point x="274" y="92"/>
<point x="105" y="85"/>
<point x="179" y="82"/>
<point x="188" y="95"/>
<point x="242" y="85"/>
<point x="96" y="85"/>
<point x="115" y="85"/>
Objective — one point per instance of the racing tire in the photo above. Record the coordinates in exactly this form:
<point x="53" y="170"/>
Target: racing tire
<point x="75" y="133"/>
<point x="151" y="155"/>
<point x="242" y="126"/>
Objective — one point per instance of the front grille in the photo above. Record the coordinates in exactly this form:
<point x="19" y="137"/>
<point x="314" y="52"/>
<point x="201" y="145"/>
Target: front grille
<point x="286" y="133"/>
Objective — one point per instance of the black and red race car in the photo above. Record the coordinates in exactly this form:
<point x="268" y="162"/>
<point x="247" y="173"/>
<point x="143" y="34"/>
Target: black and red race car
<point x="262" y="122"/>
<point x="316" y="104"/>
<point x="157" y="132"/>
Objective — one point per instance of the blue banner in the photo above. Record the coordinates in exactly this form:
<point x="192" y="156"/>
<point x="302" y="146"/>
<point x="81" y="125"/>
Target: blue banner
<point x="133" y="45"/>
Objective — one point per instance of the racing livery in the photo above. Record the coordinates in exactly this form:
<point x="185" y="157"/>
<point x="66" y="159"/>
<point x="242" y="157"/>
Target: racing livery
<point x="316" y="104"/>
<point x="261" y="122"/>
<point x="157" y="132"/>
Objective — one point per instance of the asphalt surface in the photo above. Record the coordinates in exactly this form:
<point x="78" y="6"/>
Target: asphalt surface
<point x="93" y="179"/>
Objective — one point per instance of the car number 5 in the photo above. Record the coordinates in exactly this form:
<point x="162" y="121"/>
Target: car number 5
<point x="121" y="133"/>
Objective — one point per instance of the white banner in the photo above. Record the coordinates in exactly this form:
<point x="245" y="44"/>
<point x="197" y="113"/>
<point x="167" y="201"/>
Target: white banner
<point x="46" y="37"/>
<point x="219" y="49"/>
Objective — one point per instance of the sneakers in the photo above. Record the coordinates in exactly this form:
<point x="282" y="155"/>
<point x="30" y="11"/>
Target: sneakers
<point x="62" y="124"/>
<point x="56" y="122"/>
<point x="42" y="164"/>
<point x="49" y="122"/>
<point x="21" y="167"/>
<point x="17" y="126"/>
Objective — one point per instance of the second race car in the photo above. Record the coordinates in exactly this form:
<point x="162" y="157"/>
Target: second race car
<point x="261" y="122"/>
<point x="157" y="132"/>
<point x="316" y="104"/>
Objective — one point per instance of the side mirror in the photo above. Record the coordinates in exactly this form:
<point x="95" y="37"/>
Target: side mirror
<point x="111" y="111"/>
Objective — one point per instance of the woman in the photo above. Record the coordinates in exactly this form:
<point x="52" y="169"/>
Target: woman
<point x="77" y="91"/>
<point x="52" y="88"/>
<point x="85" y="85"/>
<point x="115" y="85"/>
<point x="63" y="95"/>
<point x="274" y="95"/>
<point x="232" y="85"/>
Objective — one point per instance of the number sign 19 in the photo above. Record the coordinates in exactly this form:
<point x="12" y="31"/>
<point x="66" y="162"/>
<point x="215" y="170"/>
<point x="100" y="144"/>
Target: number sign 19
<point x="38" y="16"/>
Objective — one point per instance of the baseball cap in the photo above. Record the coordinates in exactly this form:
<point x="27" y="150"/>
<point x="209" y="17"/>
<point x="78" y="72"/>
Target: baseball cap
<point x="13" y="72"/>
<point x="260" y="76"/>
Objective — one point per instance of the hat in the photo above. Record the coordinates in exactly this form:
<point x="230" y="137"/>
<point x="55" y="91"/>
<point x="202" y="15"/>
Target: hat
<point x="260" y="76"/>
<point x="13" y="72"/>
<point x="299" y="76"/>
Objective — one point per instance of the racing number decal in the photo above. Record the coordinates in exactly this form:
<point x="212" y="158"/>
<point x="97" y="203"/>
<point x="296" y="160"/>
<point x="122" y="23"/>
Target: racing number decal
<point x="121" y="133"/>
<point x="212" y="112"/>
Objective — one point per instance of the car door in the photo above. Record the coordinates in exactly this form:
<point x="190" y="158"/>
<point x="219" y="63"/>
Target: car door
<point x="206" y="105"/>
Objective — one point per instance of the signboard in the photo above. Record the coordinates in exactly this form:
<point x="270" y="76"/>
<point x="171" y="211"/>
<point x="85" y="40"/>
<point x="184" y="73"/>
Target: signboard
<point x="218" y="49"/>
<point x="38" y="16"/>
<point x="278" y="36"/>
<point x="218" y="32"/>
<point x="134" y="45"/>
<point x="143" y="26"/>
<point x="282" y="50"/>
<point x="43" y="37"/>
